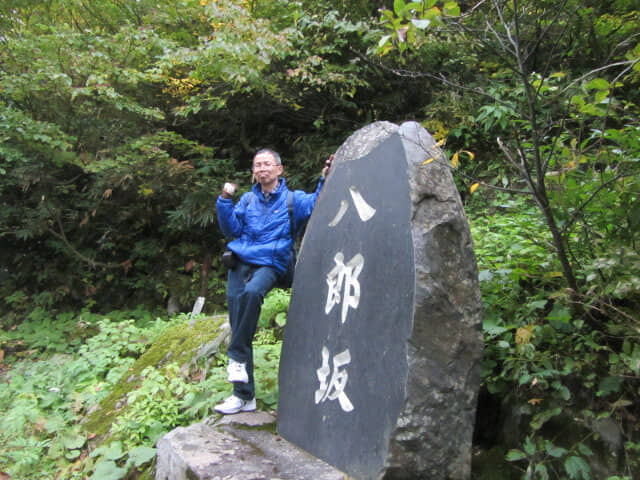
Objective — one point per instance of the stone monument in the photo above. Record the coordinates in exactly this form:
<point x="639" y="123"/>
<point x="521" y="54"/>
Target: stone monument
<point x="379" y="370"/>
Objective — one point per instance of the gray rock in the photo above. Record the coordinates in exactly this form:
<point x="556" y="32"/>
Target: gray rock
<point x="446" y="345"/>
<point x="385" y="384"/>
<point x="238" y="447"/>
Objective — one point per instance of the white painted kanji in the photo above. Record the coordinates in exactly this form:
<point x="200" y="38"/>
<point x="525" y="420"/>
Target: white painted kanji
<point x="334" y="388"/>
<point x="344" y="286"/>
<point x="344" y="206"/>
<point x="365" y="211"/>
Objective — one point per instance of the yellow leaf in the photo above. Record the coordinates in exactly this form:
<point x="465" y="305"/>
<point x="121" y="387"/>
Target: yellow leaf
<point x="524" y="334"/>
<point x="428" y="161"/>
<point x="455" y="160"/>
<point x="441" y="142"/>
<point x="535" y="401"/>
<point x="471" y="154"/>
<point x="553" y="274"/>
<point x="474" y="187"/>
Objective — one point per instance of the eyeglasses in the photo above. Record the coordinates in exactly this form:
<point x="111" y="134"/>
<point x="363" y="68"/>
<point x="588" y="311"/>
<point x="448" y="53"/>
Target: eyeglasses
<point x="259" y="165"/>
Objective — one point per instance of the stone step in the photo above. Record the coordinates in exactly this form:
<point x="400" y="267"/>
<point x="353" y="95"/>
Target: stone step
<point x="239" y="447"/>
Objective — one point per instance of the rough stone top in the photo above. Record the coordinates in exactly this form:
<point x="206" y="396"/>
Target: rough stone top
<point x="238" y="447"/>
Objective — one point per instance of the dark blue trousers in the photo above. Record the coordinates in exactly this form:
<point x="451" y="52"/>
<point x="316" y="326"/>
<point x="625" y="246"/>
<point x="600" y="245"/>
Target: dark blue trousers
<point x="247" y="286"/>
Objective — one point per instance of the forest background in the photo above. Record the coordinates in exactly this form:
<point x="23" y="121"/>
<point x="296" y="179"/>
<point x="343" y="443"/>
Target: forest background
<point x="120" y="121"/>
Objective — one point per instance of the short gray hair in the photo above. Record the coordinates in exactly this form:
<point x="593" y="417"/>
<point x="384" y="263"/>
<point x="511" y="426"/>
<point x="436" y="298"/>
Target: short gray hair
<point x="273" y="153"/>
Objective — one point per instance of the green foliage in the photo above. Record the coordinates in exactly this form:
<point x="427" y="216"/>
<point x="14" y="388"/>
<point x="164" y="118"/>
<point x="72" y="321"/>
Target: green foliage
<point x="542" y="357"/>
<point x="53" y="401"/>
<point x="538" y="454"/>
<point x="408" y="21"/>
<point x="274" y="308"/>
<point x="50" y="389"/>
<point x="154" y="408"/>
<point x="112" y="455"/>
<point x="113" y="152"/>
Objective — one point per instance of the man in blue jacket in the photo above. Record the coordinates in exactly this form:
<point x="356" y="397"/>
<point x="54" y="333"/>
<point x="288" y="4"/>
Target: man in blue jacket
<point x="262" y="247"/>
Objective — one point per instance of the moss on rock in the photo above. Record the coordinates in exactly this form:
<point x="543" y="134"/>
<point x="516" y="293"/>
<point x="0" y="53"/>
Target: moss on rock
<point x="182" y="344"/>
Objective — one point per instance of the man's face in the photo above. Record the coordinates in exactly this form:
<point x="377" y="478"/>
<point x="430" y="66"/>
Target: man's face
<point x="265" y="169"/>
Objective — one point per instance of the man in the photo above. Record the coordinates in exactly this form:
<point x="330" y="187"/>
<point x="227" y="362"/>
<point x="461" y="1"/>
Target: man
<point x="263" y="245"/>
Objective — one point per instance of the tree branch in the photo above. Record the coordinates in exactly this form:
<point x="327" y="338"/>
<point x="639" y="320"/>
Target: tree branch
<point x="584" y="204"/>
<point x="91" y="262"/>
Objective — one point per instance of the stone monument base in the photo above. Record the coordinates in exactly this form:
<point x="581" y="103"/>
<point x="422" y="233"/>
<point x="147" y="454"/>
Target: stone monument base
<point x="239" y="447"/>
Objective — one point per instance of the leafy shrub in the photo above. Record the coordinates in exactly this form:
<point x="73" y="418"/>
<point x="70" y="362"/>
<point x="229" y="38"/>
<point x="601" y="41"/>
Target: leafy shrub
<point x="50" y="386"/>
<point x="51" y="393"/>
<point x="546" y="359"/>
<point x="274" y="308"/>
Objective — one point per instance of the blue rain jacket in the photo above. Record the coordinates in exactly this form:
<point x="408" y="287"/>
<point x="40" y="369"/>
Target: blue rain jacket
<point x="260" y="227"/>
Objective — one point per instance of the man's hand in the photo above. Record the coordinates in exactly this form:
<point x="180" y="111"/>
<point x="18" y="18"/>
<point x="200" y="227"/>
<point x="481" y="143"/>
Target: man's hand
<point x="327" y="165"/>
<point x="228" y="190"/>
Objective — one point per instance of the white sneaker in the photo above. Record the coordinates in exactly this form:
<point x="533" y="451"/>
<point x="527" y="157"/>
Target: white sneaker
<point x="237" y="372"/>
<point x="235" y="404"/>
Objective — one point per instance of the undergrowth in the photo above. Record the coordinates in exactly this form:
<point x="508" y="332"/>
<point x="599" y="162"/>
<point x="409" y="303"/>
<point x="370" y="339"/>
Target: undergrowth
<point x="564" y="376"/>
<point x="87" y="396"/>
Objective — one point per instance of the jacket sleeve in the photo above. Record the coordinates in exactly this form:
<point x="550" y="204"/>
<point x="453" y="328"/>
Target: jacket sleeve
<point x="304" y="203"/>
<point x="230" y="217"/>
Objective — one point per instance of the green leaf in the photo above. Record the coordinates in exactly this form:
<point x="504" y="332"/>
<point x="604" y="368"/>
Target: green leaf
<point x="111" y="452"/>
<point x="73" y="442"/>
<point x="559" y="313"/>
<point x="609" y="385"/>
<point x="141" y="455"/>
<point x="584" y="450"/>
<point x="281" y="319"/>
<point x="598" y="84"/>
<point x="155" y="431"/>
<point x="529" y="447"/>
<point x="72" y="454"/>
<point x="541" y="471"/>
<point x="399" y="7"/>
<point x="577" y="468"/>
<point x="514" y="455"/>
<point x="564" y="392"/>
<point x="538" y="304"/>
<point x="553" y="450"/>
<point x="452" y="9"/>
<point x="541" y="418"/>
<point x="108" y="470"/>
<point x="485" y="275"/>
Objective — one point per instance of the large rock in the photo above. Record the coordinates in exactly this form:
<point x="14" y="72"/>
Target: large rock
<point x="379" y="370"/>
<point x="236" y="447"/>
